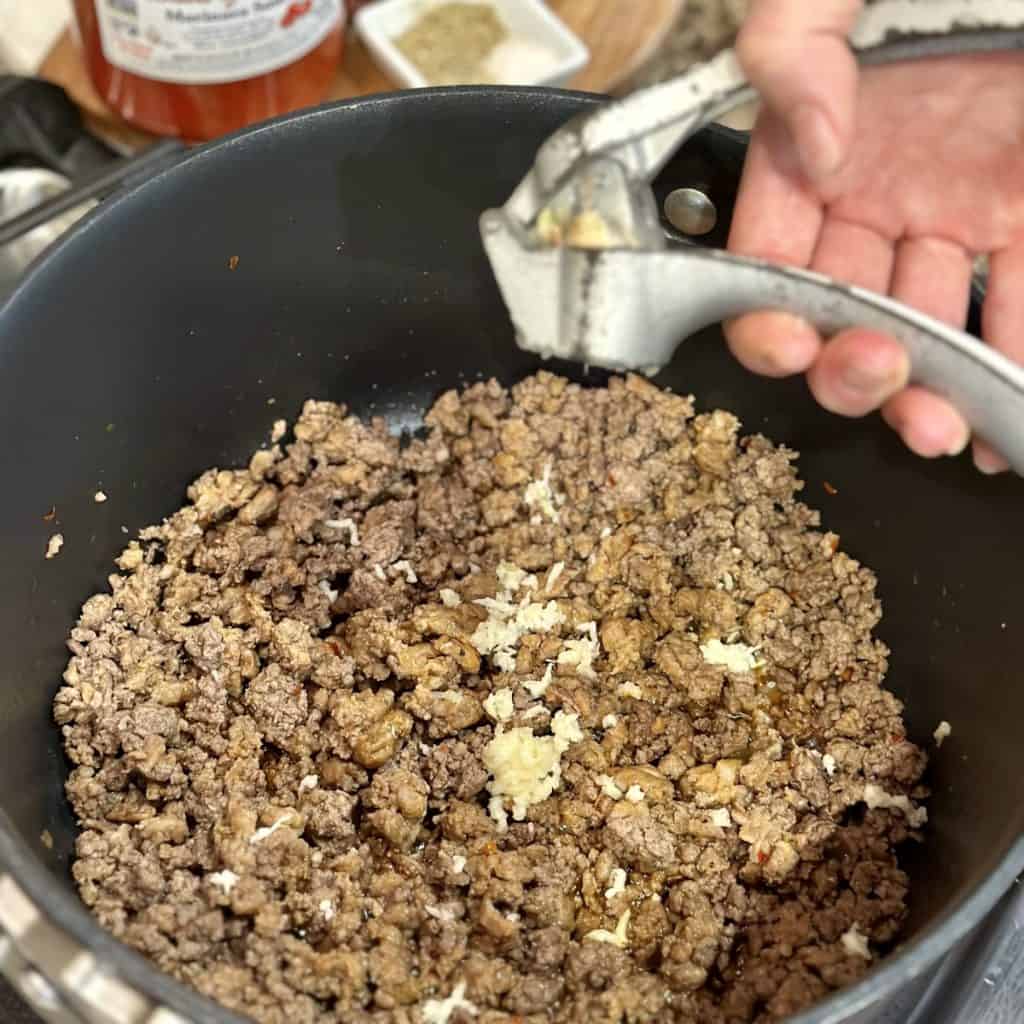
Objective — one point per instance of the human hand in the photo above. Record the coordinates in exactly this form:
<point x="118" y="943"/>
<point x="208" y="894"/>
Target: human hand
<point x="892" y="180"/>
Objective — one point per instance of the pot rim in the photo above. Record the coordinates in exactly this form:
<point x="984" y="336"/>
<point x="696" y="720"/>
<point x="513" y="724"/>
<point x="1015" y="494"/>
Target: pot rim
<point x="65" y="911"/>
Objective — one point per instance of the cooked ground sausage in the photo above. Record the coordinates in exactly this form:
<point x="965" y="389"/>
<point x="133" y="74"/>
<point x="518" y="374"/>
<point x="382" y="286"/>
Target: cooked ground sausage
<point x="284" y="722"/>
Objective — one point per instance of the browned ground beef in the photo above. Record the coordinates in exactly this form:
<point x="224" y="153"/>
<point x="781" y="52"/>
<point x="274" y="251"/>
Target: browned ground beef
<point x="280" y="740"/>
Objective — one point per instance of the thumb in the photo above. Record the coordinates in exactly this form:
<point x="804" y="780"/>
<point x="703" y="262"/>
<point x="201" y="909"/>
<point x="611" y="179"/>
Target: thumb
<point x="796" y="54"/>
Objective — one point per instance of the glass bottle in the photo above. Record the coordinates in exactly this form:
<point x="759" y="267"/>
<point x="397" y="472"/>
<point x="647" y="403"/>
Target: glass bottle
<point x="197" y="69"/>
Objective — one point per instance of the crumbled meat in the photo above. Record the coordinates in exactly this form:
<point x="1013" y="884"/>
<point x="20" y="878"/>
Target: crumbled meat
<point x="284" y="724"/>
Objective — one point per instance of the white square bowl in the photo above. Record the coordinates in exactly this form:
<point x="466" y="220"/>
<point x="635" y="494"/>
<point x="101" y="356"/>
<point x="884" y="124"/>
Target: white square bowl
<point x="379" y="24"/>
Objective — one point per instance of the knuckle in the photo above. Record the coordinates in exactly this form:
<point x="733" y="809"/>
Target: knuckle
<point x="754" y="52"/>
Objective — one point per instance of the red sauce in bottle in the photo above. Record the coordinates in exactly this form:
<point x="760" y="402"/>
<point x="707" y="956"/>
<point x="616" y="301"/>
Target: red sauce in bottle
<point x="200" y="68"/>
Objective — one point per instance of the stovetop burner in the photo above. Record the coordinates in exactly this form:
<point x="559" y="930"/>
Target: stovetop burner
<point x="41" y="133"/>
<point x="44" y="148"/>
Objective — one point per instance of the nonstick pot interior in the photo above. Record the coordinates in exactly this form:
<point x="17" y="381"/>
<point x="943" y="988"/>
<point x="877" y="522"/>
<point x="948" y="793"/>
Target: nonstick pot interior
<point x="336" y="255"/>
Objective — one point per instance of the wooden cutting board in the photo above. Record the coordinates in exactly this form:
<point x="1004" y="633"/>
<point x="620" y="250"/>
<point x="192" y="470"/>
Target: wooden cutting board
<point x="621" y="37"/>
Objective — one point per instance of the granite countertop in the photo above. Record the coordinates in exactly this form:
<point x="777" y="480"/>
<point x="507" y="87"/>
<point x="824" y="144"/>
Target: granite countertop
<point x="705" y="27"/>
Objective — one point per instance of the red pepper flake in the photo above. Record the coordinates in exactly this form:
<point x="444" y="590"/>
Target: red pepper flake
<point x="834" y="544"/>
<point x="762" y="857"/>
<point x="51" y="515"/>
<point x="333" y="644"/>
<point x="830" y="489"/>
<point x="233" y="263"/>
<point x="611" y="479"/>
<point x="896" y="738"/>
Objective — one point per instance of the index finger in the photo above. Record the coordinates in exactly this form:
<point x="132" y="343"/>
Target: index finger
<point x="777" y="216"/>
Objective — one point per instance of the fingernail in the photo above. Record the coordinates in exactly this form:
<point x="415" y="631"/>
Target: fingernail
<point x="773" y="344"/>
<point x="817" y="142"/>
<point x="869" y="381"/>
<point x="989" y="463"/>
<point x="957" y="448"/>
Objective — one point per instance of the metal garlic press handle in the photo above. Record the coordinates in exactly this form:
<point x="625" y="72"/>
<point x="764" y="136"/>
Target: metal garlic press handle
<point x="984" y="385"/>
<point x="623" y="300"/>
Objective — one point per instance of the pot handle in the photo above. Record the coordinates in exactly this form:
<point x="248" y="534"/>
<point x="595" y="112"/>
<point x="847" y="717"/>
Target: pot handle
<point x="61" y="980"/>
<point x="98" y="184"/>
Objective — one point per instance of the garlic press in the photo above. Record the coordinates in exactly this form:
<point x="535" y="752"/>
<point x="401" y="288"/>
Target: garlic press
<point x="589" y="274"/>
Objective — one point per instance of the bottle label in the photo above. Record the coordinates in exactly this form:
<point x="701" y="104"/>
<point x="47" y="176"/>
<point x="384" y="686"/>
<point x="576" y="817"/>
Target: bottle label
<point x="208" y="42"/>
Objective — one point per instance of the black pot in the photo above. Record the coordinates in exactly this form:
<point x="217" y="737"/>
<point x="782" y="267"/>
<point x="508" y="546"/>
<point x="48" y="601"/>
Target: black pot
<point x="133" y="357"/>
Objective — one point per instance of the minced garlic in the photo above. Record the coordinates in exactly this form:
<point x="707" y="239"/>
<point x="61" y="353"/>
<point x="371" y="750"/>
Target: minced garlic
<point x="616" y="884"/>
<point x="556" y="570"/>
<point x="538" y="687"/>
<point x="345" y="524"/>
<point x="732" y="657"/>
<point x="500" y="705"/>
<point x="875" y="796"/>
<point x="610" y="787"/>
<point x="580" y="654"/>
<point x="405" y="567"/>
<point x="539" y="495"/>
<point x="615" y="938"/>
<point x="498" y="635"/>
<point x="855" y="943"/>
<point x="511" y="577"/>
<point x="224" y="880"/>
<point x="526" y="768"/>
<point x="437" y="1011"/>
<point x="266" y="832"/>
